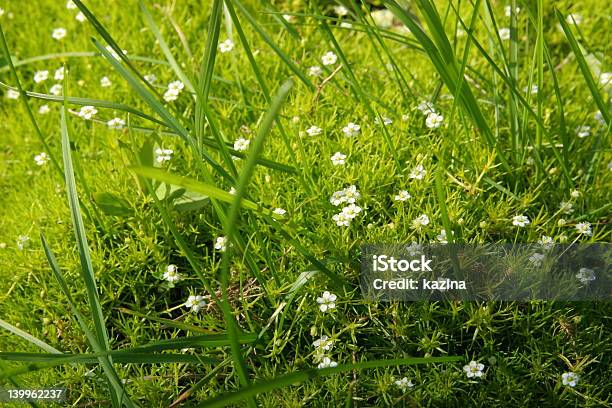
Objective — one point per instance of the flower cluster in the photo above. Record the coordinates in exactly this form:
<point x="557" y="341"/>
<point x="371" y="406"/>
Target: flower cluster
<point x="433" y="119"/>
<point x="349" y="196"/>
<point x="173" y="91"/>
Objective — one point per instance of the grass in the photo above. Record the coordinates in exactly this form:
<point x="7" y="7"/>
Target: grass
<point x="88" y="308"/>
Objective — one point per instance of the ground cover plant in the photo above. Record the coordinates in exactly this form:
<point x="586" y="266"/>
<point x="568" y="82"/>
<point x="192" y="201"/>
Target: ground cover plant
<point x="186" y="186"/>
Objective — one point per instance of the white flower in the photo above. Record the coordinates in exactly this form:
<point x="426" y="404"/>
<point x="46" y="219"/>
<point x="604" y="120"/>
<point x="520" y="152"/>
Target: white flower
<point x="520" y="220"/>
<point x="414" y="249"/>
<point x="221" y="244"/>
<point x="403" y="195"/>
<point x="195" y="303"/>
<point x="171" y="274"/>
<point x="324" y="343"/>
<point x="344" y="24"/>
<point x="504" y="34"/>
<point x="404" y="384"/>
<point x="351" y="194"/>
<point x="314" y="131"/>
<point x="341" y="219"/>
<point x="340" y="11"/>
<point x="23" y="241"/>
<point x="70" y="5"/>
<point x="508" y="10"/>
<point x="546" y="241"/>
<point x="105" y="82"/>
<point x="420" y="221"/>
<point x="537" y="258"/>
<point x="434" y="120"/>
<point x="279" y="211"/>
<point x="351" y="211"/>
<point x="534" y="89"/>
<point x="87" y="112"/>
<point x="232" y="191"/>
<point x="575" y="193"/>
<point x="44" y="109"/>
<point x="174" y="89"/>
<point x="329" y="58"/>
<point x="326" y="362"/>
<point x="418" y="172"/>
<point x="426" y="108"/>
<point x="41" y="159"/>
<point x="163" y="155"/>
<point x="566" y="207"/>
<point x="226" y="46"/>
<point x="570" y="379"/>
<point x="289" y="18"/>
<point x="80" y="17"/>
<point x="58" y="33"/>
<point x="583" y="131"/>
<point x="116" y="123"/>
<point x="170" y="96"/>
<point x="383" y="18"/>
<point x="574" y="18"/>
<point x="351" y="129"/>
<point x="584" y="228"/>
<point x="327" y="301"/>
<point x="599" y="118"/>
<point x="56" y="90"/>
<point x="11" y="94"/>
<point x="585" y="275"/>
<point x="605" y="78"/>
<point x="385" y="120"/>
<point x="338" y="159"/>
<point x="241" y="144"/>
<point x="59" y="74"/>
<point x="150" y="78"/>
<point x="315" y="71"/>
<point x="41" y="76"/>
<point x="337" y="198"/>
<point x="473" y="369"/>
<point x="442" y="236"/>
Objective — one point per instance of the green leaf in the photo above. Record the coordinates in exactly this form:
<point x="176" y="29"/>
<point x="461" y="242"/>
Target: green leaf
<point x="112" y="205"/>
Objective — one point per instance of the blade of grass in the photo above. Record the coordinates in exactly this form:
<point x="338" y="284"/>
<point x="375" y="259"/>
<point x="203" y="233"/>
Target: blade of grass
<point x="28" y="337"/>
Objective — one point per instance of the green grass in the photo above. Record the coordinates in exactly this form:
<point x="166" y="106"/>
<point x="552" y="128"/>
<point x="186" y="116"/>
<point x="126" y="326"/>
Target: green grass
<point x="87" y="307"/>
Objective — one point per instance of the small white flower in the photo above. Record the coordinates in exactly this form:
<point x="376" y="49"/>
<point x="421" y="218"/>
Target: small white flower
<point x="80" y="17"/>
<point x="404" y="384"/>
<point x="351" y="211"/>
<point x="583" y="131"/>
<point x="426" y="108"/>
<point x="150" y="78"/>
<point x="324" y="343"/>
<point x="232" y="191"/>
<point x="70" y="5"/>
<point x="520" y="220"/>
<point x="351" y="130"/>
<point x="403" y="195"/>
<point x="221" y="244"/>
<point x="226" y="46"/>
<point x="163" y="155"/>
<point x="105" y="82"/>
<point x="508" y="10"/>
<point x="241" y="144"/>
<point x="87" y="112"/>
<point x="59" y="74"/>
<point x="41" y="159"/>
<point x="414" y="249"/>
<point x="599" y="118"/>
<point x="289" y="18"/>
<point x="195" y="303"/>
<point x="420" y="221"/>
<point x="315" y="71"/>
<point x="585" y="275"/>
<point x="383" y="18"/>
<point x="329" y="58"/>
<point x="584" y="228"/>
<point x="326" y="362"/>
<point x="58" y="33"/>
<point x="385" y="120"/>
<point x="171" y="274"/>
<point x="327" y="301"/>
<point x="575" y="194"/>
<point x="41" y="76"/>
<point x="341" y="219"/>
<point x="418" y="172"/>
<point x="574" y="18"/>
<point x="56" y="90"/>
<point x="12" y="94"/>
<point x="338" y="159"/>
<point x="337" y="198"/>
<point x="566" y="207"/>
<point x="434" y="120"/>
<point x="176" y="86"/>
<point x="44" y="109"/>
<point x="340" y="11"/>
<point x="605" y="79"/>
<point x="546" y="241"/>
<point x="351" y="194"/>
<point x="116" y="123"/>
<point x="314" y="131"/>
<point x="23" y="241"/>
<point x="279" y="211"/>
<point x="442" y="238"/>
<point x="504" y="34"/>
<point x="533" y="90"/>
<point x="570" y="379"/>
<point x="473" y="369"/>
<point x="345" y="24"/>
<point x="537" y="258"/>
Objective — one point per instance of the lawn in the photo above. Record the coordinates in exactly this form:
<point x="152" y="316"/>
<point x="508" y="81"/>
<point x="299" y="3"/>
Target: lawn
<point x="186" y="187"/>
